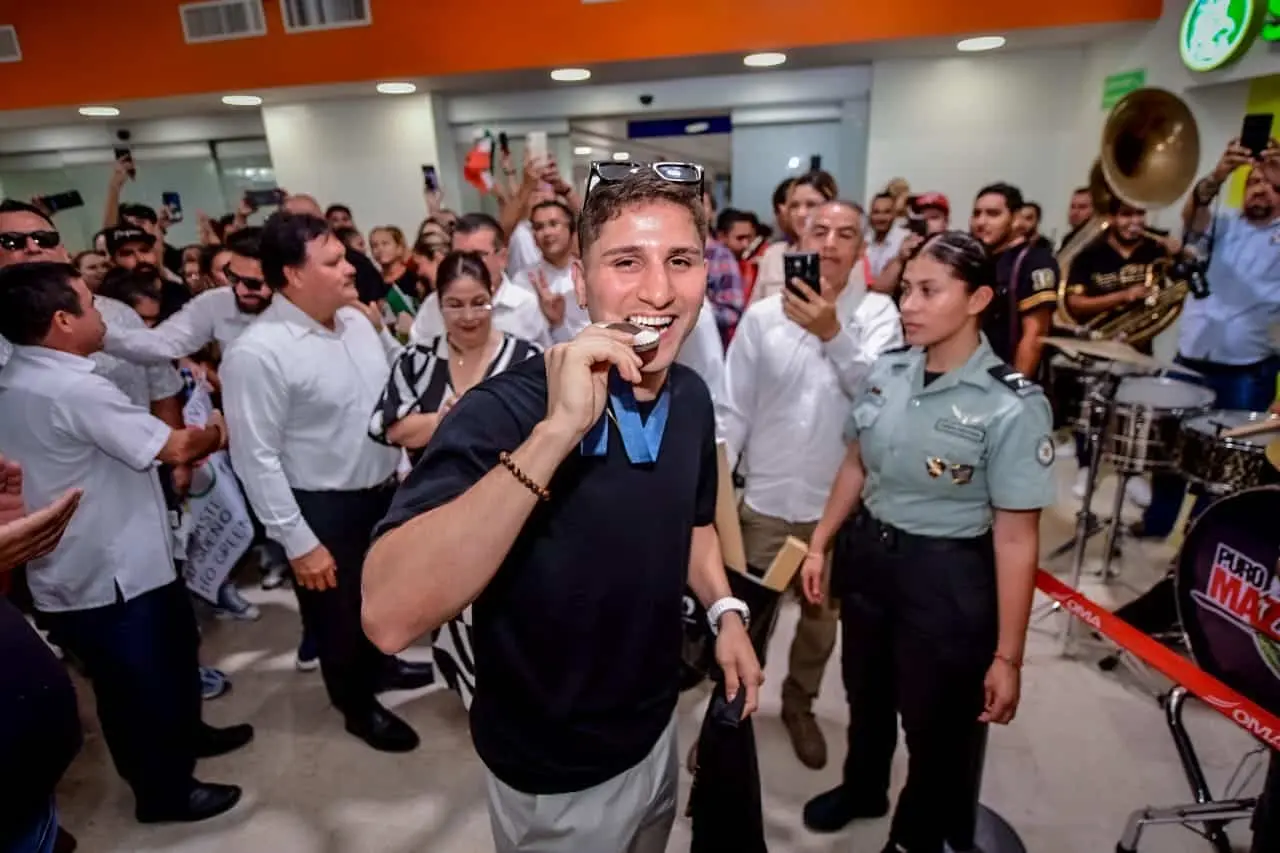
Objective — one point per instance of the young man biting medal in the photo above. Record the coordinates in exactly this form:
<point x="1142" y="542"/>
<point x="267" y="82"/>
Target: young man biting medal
<point x="571" y="499"/>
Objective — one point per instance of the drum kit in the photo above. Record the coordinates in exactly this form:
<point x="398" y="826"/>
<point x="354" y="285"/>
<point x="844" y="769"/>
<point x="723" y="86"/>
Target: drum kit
<point x="1140" y="415"/>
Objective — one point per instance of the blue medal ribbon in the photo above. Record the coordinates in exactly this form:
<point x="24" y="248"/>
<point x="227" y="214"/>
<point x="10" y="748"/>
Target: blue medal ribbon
<point x="642" y="439"/>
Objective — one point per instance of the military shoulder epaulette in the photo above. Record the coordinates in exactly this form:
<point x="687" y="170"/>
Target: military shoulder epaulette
<point x="1014" y="381"/>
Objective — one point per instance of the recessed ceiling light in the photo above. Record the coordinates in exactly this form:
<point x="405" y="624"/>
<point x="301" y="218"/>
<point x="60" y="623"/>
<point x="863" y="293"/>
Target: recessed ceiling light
<point x="697" y="127"/>
<point x="974" y="45"/>
<point x="622" y="155"/>
<point x="582" y="150"/>
<point x="241" y="100"/>
<point x="570" y="75"/>
<point x="763" y="60"/>
<point x="99" y="112"/>
<point x="396" y="88"/>
<point x="793" y="163"/>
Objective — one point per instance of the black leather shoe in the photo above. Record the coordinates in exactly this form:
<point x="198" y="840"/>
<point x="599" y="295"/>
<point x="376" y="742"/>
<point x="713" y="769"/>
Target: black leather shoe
<point x="382" y="730"/>
<point x="404" y="675"/>
<point x="211" y="741"/>
<point x="206" y="800"/>
<point x="837" y="808"/>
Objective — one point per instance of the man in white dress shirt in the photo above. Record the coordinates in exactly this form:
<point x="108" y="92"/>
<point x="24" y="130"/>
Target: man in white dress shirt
<point x="515" y="310"/>
<point x="109" y="591"/>
<point x="217" y="315"/>
<point x="551" y="278"/>
<point x="885" y="235"/>
<point x="790" y="375"/>
<point x="298" y="386"/>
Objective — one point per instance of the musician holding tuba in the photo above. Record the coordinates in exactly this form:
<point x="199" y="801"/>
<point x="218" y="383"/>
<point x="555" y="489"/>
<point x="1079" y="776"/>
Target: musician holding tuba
<point x="1118" y="269"/>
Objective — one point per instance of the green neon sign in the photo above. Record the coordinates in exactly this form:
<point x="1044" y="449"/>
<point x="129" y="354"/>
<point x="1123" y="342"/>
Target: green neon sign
<point x="1271" y="26"/>
<point x="1215" y="33"/>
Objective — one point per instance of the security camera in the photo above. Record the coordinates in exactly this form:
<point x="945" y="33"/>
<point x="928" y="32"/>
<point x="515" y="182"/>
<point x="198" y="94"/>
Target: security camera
<point x="646" y="100"/>
<point x="123" y="135"/>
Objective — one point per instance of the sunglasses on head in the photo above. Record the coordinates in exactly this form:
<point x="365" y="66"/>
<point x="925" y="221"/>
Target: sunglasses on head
<point x="614" y="172"/>
<point x="248" y="282"/>
<point x="12" y="241"/>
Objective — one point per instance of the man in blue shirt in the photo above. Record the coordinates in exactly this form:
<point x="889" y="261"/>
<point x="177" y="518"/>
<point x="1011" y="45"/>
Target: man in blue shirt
<point x="1226" y="337"/>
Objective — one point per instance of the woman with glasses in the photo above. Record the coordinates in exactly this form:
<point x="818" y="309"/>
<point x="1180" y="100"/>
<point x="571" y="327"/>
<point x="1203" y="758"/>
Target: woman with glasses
<point x="934" y="516"/>
<point x="425" y="382"/>
<point x="430" y="376"/>
<point x="804" y="194"/>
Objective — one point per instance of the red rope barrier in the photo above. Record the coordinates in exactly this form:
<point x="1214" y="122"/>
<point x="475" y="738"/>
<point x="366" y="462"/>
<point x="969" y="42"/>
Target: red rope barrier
<point x="1254" y="719"/>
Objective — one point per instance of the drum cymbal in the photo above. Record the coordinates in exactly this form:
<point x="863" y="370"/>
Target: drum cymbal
<point x="1114" y="351"/>
<point x="1273" y="453"/>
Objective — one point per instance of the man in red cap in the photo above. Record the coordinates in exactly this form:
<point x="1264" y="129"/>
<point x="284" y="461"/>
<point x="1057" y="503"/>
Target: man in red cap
<point x="927" y="213"/>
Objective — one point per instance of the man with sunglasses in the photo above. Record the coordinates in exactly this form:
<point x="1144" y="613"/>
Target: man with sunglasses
<point x="220" y="314"/>
<point x="572" y="498"/>
<point x="26" y="235"/>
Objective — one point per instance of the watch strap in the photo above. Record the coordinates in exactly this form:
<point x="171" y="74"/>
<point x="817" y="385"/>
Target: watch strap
<point x="728" y="604"/>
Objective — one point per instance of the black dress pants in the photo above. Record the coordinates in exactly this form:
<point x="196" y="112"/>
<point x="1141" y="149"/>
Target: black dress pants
<point x="343" y="522"/>
<point x="919" y="623"/>
<point x="141" y="658"/>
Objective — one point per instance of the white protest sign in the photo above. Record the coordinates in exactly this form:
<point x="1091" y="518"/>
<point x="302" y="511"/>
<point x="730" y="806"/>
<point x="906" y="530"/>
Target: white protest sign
<point x="221" y="528"/>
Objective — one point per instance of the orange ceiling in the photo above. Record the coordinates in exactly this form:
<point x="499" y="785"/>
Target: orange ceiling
<point x="92" y="51"/>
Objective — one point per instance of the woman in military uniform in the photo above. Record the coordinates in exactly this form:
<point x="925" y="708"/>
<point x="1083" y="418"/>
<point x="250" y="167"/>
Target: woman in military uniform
<point x="934" y="516"/>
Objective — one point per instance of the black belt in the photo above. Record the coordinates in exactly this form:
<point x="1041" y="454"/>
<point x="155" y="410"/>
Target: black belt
<point x="389" y="484"/>
<point x="895" y="538"/>
<point x="1217" y="368"/>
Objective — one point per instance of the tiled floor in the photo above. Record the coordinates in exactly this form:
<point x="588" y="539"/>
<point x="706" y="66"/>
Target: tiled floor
<point x="1085" y="750"/>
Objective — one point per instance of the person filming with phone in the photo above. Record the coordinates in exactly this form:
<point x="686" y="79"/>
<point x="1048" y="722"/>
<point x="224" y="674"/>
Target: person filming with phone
<point x="1225" y="337"/>
<point x="792" y="369"/>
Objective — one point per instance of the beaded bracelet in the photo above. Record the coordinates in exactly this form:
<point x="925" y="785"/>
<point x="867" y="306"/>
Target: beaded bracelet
<point x="525" y="480"/>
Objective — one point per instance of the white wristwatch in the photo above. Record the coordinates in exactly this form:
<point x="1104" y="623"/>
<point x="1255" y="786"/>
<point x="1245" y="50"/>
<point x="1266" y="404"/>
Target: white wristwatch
<point x="727" y="605"/>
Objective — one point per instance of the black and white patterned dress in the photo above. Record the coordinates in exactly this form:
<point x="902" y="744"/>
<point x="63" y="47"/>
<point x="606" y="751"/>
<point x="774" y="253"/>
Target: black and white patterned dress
<point x="418" y="385"/>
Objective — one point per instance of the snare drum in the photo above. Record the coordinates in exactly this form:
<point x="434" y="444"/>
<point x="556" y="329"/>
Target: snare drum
<point x="1144" y="423"/>
<point x="1224" y="465"/>
<point x="1069" y="384"/>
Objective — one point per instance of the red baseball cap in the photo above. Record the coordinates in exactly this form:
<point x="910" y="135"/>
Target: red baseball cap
<point x="936" y="200"/>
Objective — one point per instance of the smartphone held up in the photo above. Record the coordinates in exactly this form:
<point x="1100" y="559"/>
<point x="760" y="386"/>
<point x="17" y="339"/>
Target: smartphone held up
<point x="803" y="266"/>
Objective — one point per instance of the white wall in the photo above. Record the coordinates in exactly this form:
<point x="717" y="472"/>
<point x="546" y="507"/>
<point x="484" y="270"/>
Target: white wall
<point x="953" y="125"/>
<point x="366" y="153"/>
<point x="762" y="155"/>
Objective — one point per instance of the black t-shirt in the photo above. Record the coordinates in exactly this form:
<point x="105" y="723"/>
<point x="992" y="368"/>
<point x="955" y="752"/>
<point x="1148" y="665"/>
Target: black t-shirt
<point x="1035" y="290"/>
<point x="578" y="636"/>
<point x="172" y="259"/>
<point x="39" y="723"/>
<point x="369" y="283"/>
<point x="1099" y="269"/>
<point x="173" y="295"/>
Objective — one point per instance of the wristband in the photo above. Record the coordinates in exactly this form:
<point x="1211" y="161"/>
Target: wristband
<point x="1016" y="664"/>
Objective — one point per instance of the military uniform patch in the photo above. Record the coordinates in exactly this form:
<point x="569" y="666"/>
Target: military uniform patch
<point x="936" y="467"/>
<point x="1045" y="451"/>
<point x="961" y="474"/>
<point x="1043" y="279"/>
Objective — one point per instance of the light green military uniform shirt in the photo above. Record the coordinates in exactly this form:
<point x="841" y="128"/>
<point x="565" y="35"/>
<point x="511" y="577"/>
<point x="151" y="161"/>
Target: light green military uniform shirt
<point x="940" y="458"/>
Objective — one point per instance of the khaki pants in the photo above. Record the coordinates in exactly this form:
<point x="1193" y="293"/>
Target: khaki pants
<point x="631" y="813"/>
<point x="762" y="536"/>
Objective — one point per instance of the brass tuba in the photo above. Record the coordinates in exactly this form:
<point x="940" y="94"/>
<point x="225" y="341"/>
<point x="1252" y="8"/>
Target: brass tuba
<point x="1150" y="151"/>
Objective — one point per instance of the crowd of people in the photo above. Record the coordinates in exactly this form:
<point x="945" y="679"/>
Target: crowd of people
<point x="468" y="434"/>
